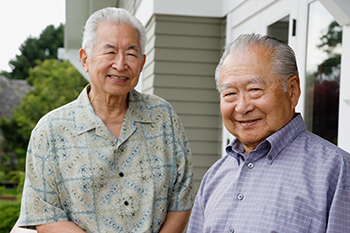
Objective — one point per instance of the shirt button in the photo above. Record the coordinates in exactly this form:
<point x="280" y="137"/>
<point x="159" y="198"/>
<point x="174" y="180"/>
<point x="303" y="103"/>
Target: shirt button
<point x="121" y="174"/>
<point x="126" y="203"/>
<point x="269" y="157"/>
<point x="250" y="165"/>
<point x="231" y="230"/>
<point x="240" y="197"/>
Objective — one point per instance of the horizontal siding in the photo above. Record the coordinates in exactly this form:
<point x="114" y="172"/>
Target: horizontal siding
<point x="148" y="69"/>
<point x="201" y="120"/>
<point x="185" y="68"/>
<point x="192" y="95"/>
<point x="203" y="135"/>
<point x="205" y="152"/>
<point x="196" y="110"/>
<point x="182" y="54"/>
<point x="188" y="28"/>
<point x="185" y="81"/>
<point x="187" y="42"/>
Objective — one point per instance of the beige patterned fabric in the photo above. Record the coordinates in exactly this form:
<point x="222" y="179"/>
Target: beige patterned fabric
<point x="78" y="171"/>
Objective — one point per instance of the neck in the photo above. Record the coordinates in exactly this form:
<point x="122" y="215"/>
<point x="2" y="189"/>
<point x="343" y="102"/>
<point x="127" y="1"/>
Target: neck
<point x="111" y="110"/>
<point x="108" y="105"/>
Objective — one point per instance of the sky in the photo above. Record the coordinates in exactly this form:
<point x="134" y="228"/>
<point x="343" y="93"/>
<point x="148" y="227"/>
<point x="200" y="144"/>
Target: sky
<point x="20" y="19"/>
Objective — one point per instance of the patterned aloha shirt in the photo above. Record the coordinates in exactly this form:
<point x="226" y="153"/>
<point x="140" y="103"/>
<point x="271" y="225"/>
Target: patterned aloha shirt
<point x="78" y="171"/>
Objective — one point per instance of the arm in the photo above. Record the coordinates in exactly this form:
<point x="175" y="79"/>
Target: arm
<point x="175" y="222"/>
<point x="40" y="198"/>
<point x="196" y="223"/>
<point x="59" y="227"/>
<point x="339" y="213"/>
<point x="182" y="194"/>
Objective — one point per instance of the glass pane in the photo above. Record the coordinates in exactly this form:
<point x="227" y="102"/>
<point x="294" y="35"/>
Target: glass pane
<point x="279" y="29"/>
<point x="322" y="73"/>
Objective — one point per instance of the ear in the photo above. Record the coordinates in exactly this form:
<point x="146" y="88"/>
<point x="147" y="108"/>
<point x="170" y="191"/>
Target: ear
<point x="84" y="60"/>
<point x="294" y="89"/>
<point x="143" y="62"/>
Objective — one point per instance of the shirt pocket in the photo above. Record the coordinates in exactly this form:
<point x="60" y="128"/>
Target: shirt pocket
<point x="279" y="220"/>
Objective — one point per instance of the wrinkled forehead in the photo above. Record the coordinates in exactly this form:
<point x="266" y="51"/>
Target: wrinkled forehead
<point x="249" y="59"/>
<point x="111" y="31"/>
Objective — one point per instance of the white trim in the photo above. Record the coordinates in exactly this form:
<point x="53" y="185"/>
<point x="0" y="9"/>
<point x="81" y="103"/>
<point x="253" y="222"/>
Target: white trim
<point x="145" y="11"/>
<point x="344" y="95"/>
<point x="340" y="9"/>
<point x="205" y="8"/>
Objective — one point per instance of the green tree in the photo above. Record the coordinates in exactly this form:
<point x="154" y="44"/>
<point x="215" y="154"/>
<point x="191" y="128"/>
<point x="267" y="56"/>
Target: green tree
<point x="332" y="38"/>
<point x="326" y="85"/>
<point x="55" y="84"/>
<point x="34" y="50"/>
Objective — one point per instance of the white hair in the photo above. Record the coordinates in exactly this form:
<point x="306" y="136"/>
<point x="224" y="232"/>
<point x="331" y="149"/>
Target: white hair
<point x="111" y="14"/>
<point x="284" y="63"/>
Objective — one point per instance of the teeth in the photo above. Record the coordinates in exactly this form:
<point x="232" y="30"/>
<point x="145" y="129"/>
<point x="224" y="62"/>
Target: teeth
<point x="116" y="77"/>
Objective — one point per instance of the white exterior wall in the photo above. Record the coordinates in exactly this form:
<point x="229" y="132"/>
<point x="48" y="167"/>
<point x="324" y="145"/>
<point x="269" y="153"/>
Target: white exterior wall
<point x="254" y="16"/>
<point x="344" y="96"/>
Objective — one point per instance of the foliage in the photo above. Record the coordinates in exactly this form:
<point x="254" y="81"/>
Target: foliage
<point x="55" y="84"/>
<point x="9" y="213"/>
<point x="325" y="85"/>
<point x="332" y="38"/>
<point x="34" y="50"/>
<point x="331" y="41"/>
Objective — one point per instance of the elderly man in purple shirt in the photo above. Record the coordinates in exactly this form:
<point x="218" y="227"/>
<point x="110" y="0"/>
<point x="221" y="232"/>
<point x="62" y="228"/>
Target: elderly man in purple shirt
<point x="276" y="176"/>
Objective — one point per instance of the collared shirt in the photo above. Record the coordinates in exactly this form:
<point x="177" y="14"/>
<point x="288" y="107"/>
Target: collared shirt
<point x="293" y="182"/>
<point x="78" y="171"/>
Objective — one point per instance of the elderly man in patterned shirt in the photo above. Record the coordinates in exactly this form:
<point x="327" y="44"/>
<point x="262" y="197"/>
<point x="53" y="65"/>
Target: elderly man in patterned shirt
<point x="114" y="160"/>
<point x="276" y="176"/>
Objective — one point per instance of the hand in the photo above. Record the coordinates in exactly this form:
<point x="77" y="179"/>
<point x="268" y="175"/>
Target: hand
<point x="59" y="227"/>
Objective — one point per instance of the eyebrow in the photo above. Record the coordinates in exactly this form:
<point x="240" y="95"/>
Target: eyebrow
<point x="108" y="46"/>
<point x="132" y="47"/>
<point x="256" y="80"/>
<point x="253" y="80"/>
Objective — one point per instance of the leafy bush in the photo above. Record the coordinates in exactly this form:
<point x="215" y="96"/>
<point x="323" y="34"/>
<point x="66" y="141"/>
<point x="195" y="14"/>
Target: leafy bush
<point x="9" y="213"/>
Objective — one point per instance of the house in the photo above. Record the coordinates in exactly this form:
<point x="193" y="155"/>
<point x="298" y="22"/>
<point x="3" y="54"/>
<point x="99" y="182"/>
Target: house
<point x="185" y="41"/>
<point x="11" y="93"/>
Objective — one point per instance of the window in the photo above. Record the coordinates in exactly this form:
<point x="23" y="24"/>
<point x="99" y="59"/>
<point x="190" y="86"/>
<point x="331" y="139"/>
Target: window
<point x="322" y="73"/>
<point x="279" y="29"/>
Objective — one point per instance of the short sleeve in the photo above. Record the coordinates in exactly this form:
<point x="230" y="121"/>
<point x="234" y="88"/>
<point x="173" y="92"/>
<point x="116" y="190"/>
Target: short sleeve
<point x="40" y="199"/>
<point x="182" y="196"/>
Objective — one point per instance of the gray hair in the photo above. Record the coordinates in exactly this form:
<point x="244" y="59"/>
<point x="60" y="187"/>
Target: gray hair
<point x="111" y="14"/>
<point x="283" y="58"/>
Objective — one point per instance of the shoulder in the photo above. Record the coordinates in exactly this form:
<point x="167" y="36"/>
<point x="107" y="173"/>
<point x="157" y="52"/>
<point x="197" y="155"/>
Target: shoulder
<point x="324" y="156"/>
<point x="65" y="112"/>
<point x="314" y="144"/>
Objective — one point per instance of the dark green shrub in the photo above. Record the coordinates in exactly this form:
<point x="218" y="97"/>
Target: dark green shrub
<point x="9" y="213"/>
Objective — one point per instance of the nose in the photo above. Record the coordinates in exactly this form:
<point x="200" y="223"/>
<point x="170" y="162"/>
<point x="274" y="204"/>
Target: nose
<point x="243" y="105"/>
<point x="119" y="62"/>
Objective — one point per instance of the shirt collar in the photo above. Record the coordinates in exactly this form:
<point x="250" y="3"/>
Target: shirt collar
<point x="273" y="145"/>
<point x="86" y="119"/>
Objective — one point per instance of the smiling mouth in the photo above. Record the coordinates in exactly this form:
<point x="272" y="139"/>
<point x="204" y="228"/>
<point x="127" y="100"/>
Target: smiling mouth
<point x="117" y="77"/>
<point x="247" y="123"/>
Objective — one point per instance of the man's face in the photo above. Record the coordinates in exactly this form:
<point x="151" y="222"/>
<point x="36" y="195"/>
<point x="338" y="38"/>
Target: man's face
<point x="116" y="60"/>
<point x="253" y="102"/>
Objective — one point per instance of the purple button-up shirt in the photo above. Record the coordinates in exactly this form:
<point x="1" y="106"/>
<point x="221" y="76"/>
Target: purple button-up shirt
<point x="293" y="182"/>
